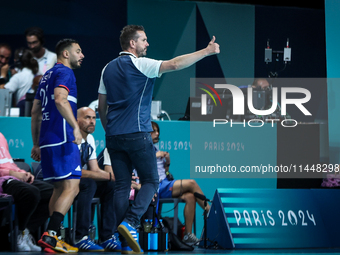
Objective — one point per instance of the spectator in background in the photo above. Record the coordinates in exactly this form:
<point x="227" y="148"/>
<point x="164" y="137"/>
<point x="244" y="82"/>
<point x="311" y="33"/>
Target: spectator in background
<point x="258" y="84"/>
<point x="35" y="42"/>
<point x="5" y="55"/>
<point x="22" y="82"/>
<point x="31" y="197"/>
<point x="261" y="84"/>
<point x="17" y="66"/>
<point x="94" y="182"/>
<point x="183" y="189"/>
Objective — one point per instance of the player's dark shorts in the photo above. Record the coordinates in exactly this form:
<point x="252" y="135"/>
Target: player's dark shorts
<point x="61" y="162"/>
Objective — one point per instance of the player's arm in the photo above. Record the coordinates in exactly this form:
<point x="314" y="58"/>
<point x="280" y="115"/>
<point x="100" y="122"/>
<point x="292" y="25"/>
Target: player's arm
<point x="95" y="172"/>
<point x="108" y="169"/>
<point x="184" y="61"/>
<point x="166" y="156"/>
<point x="36" y="118"/>
<point x="64" y="107"/>
<point x="107" y="164"/>
<point x="102" y="109"/>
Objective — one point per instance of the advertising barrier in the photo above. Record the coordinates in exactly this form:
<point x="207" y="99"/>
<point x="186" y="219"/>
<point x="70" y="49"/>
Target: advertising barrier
<point x="273" y="218"/>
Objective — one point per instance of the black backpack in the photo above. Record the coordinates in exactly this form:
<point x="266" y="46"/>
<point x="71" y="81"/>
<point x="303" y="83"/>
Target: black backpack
<point x="175" y="243"/>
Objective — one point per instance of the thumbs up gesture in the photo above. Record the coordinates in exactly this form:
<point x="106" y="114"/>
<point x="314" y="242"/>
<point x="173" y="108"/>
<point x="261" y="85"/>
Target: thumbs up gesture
<point x="213" y="48"/>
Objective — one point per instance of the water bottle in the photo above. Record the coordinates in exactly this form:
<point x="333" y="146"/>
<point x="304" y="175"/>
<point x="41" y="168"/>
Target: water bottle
<point x="62" y="231"/>
<point x="182" y="232"/>
<point x="92" y="231"/>
<point x="140" y="235"/>
<point x="143" y="236"/>
<point x="162" y="237"/>
<point x="154" y="239"/>
<point x="147" y="226"/>
<point x="161" y="225"/>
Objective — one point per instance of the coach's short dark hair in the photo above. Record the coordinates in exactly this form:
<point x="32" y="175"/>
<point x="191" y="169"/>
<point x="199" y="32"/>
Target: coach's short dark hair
<point x="63" y="44"/>
<point x="128" y="33"/>
<point x="38" y="32"/>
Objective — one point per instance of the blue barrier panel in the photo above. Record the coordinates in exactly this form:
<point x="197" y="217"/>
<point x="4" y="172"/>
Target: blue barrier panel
<point x="235" y="152"/>
<point x="327" y="201"/>
<point x="174" y="138"/>
<point x="271" y="218"/>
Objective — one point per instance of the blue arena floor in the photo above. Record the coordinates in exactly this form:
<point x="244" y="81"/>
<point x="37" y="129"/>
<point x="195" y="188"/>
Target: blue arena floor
<point x="198" y="251"/>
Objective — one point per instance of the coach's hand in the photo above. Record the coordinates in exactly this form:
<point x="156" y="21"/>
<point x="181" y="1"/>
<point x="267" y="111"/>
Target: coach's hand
<point x="213" y="48"/>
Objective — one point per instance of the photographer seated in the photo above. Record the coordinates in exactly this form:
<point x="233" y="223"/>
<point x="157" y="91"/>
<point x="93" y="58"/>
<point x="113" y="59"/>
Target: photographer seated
<point x="183" y="189"/>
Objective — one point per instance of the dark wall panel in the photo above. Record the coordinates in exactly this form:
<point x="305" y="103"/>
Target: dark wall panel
<point x="305" y="29"/>
<point x="95" y="25"/>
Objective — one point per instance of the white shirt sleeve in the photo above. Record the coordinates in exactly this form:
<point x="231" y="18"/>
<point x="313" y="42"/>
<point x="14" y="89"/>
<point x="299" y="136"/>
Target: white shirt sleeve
<point x="102" y="89"/>
<point x="52" y="60"/>
<point x="107" y="160"/>
<point x="91" y="141"/>
<point x="149" y="67"/>
<point x="13" y="84"/>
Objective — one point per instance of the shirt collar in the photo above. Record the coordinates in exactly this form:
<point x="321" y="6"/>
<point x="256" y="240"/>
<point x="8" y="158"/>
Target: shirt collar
<point x="44" y="56"/>
<point x="126" y="53"/>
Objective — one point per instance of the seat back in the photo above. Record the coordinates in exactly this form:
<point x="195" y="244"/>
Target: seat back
<point x="36" y="170"/>
<point x="5" y="102"/>
<point x="23" y="166"/>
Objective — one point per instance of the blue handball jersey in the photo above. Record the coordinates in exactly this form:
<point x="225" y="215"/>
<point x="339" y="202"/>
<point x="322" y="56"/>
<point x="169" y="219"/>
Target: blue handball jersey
<point x="54" y="128"/>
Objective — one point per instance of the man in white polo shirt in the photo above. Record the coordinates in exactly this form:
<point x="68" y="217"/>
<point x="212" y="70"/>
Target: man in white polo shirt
<point x="35" y="42"/>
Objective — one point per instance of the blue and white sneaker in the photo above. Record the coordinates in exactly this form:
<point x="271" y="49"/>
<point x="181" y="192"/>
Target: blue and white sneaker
<point x="111" y="244"/>
<point x="130" y="234"/>
<point x="128" y="250"/>
<point x="86" y="244"/>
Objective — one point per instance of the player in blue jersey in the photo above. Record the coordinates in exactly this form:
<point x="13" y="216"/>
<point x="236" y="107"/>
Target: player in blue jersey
<point x="56" y="134"/>
<point x="125" y="95"/>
